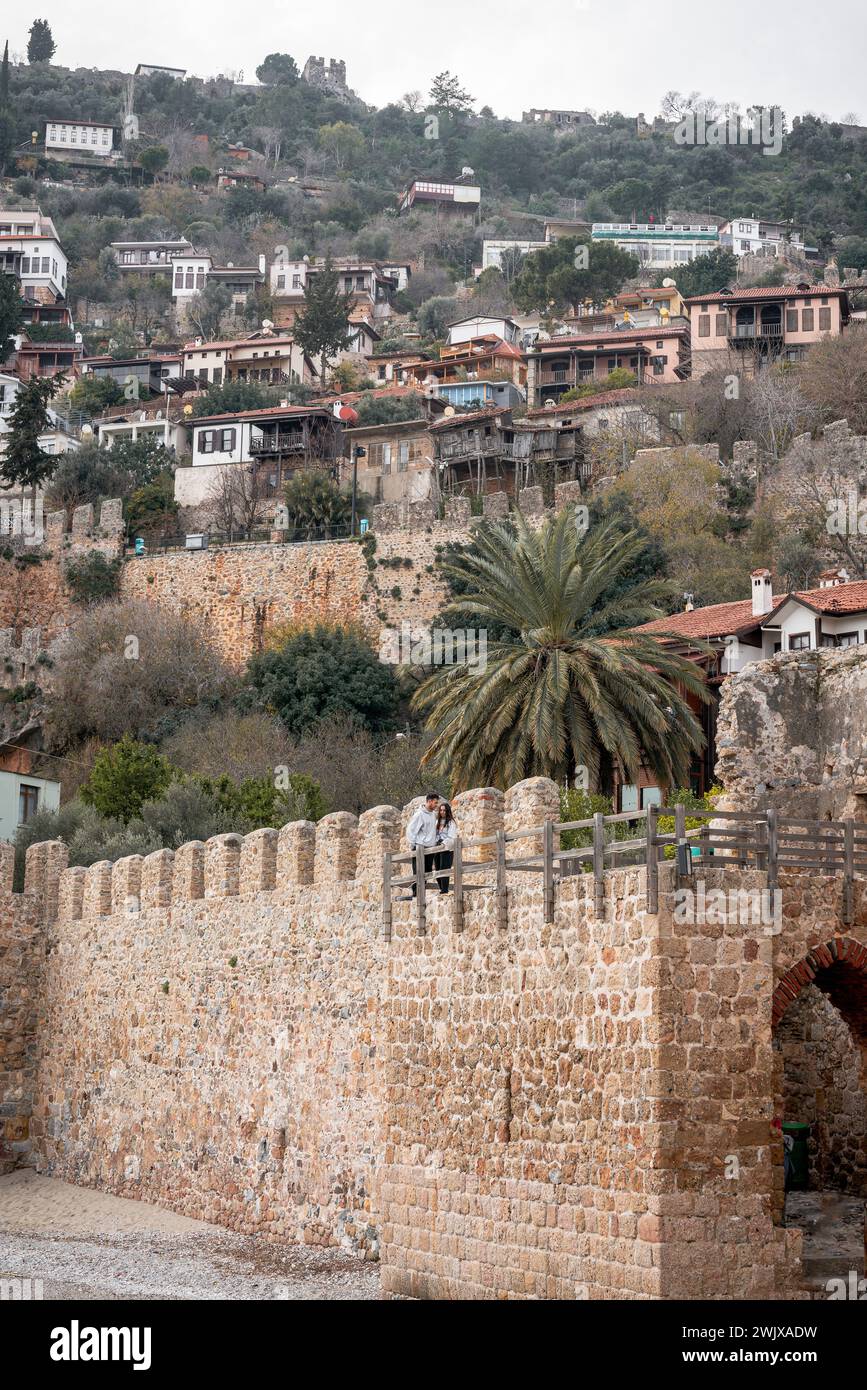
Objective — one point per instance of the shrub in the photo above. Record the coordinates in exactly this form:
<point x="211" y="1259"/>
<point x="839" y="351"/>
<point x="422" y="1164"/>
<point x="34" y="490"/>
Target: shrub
<point x="124" y="777"/>
<point x="323" y="672"/>
<point x="93" y="578"/>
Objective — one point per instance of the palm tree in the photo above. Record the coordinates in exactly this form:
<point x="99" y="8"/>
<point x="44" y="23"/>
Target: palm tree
<point x="571" y="683"/>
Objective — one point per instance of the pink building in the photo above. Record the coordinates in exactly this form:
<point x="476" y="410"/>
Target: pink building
<point x="657" y="355"/>
<point x="742" y="329"/>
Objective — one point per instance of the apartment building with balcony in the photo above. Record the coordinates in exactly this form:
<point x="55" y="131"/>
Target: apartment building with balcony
<point x="192" y="270"/>
<point x="656" y="355"/>
<point x="149" y="257"/>
<point x="370" y="286"/>
<point x="745" y="329"/>
<point x="660" y="245"/>
<point x="30" y="248"/>
<point x="270" y="358"/>
<point x="487" y="358"/>
<point x="758" y="236"/>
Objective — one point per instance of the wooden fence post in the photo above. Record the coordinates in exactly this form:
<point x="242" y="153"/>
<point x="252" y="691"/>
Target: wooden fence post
<point x="420" y="886"/>
<point x="848" y="904"/>
<point x="548" y="868"/>
<point x="679" y="826"/>
<point x="652" y="861"/>
<point x="458" y="876"/>
<point x="502" y="899"/>
<point x="599" y="864"/>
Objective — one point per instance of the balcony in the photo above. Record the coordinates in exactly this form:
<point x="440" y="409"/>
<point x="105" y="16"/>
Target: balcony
<point x="277" y="444"/>
<point x="741" y="333"/>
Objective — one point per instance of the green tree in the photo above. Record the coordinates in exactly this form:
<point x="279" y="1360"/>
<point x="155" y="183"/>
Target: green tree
<point x="260" y="801"/>
<point x="41" y="47"/>
<point x="323" y="672"/>
<point x="151" y="510"/>
<point x="558" y="695"/>
<point x="235" y="395"/>
<point x="322" y="327"/>
<point x="7" y="128"/>
<point x="570" y="271"/>
<point x="92" y="394"/>
<point x="316" y="506"/>
<point x="25" y="463"/>
<point x="713" y="271"/>
<point x="209" y="308"/>
<point x="447" y="94"/>
<point x="343" y="142"/>
<point x="124" y="777"/>
<point x="389" y="410"/>
<point x="278" y="70"/>
<point x="154" y="159"/>
<point x="10" y="313"/>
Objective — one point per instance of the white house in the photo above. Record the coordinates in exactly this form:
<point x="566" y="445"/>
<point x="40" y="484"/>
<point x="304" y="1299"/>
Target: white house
<point x="751" y="236"/>
<point x="148" y="70"/>
<point x="279" y="440"/>
<point x="149" y="256"/>
<point x="192" y="271"/>
<point x="95" y="138"/>
<point x="56" y="440"/>
<point x="493" y="251"/>
<point x="22" y="796"/>
<point x="30" y="248"/>
<point x="755" y="629"/>
<point x="660" y="244"/>
<point x="481" y="326"/>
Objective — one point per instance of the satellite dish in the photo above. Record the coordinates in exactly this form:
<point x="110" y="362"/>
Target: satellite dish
<point x="550" y="402"/>
<point x="188" y="410"/>
<point x="668" y="283"/>
<point x="449" y="411"/>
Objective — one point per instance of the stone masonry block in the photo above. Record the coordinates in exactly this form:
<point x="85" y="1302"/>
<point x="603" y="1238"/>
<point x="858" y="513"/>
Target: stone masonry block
<point x="336" y="847"/>
<point x="259" y="861"/>
<point x="222" y="866"/>
<point x="296" y="852"/>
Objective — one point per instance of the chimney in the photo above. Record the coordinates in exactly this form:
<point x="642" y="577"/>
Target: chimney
<point x="762" y="593"/>
<point x="261" y="262"/>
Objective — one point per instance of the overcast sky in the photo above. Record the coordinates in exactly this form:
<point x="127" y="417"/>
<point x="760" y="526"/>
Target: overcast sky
<point x="511" y="55"/>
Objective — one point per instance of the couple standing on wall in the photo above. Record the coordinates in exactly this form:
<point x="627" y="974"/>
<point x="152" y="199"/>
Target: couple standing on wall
<point x="434" y="828"/>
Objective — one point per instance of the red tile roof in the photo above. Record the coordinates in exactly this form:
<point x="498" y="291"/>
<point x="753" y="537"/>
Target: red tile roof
<point x="281" y="410"/>
<point x="730" y="619"/>
<point x="623" y="393"/>
<point x="611" y="336"/>
<point x="765" y="292"/>
<point x="489" y="414"/>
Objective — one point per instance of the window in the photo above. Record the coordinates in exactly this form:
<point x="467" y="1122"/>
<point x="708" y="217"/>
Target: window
<point x="296" y="282"/>
<point x="807" y="320"/>
<point x="386" y="458"/>
<point x="206" y="440"/>
<point x="704" y="325"/>
<point x="46" y="265"/>
<point x="824" y="320"/>
<point x="658" y="365"/>
<point x="281" y="282"/>
<point x="28" y="802"/>
<point x="25" y="265"/>
<point x="799" y="642"/>
<point x="200" y="279"/>
<point x="190" y="280"/>
<point x="791" y="320"/>
<point x="179" y="278"/>
<point x="227" y="441"/>
<point x="218" y="376"/>
<point x="846" y="639"/>
<point x="721" y="324"/>
<point x="402" y="457"/>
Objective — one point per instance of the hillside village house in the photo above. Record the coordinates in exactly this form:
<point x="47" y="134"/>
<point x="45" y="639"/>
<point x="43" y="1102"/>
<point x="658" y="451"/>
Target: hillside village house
<point x="562" y="121"/>
<point x="149" y="256"/>
<point x="660" y="244"/>
<point x="161" y="420"/>
<point x="757" y="236"/>
<point x="657" y="355"/>
<point x="148" y="70"/>
<point x="270" y="358"/>
<point x="487" y="450"/>
<point x="149" y="373"/>
<point x="30" y="248"/>
<point x="237" y="178"/>
<point x="476" y="359"/>
<point x="370" y="285"/>
<point x="69" y="138"/>
<point x="49" y="357"/>
<point x="279" y="441"/>
<point x="398" y="460"/>
<point x="557" y="227"/>
<point x="621" y="412"/>
<point x="22" y="796"/>
<point x="482" y="326"/>
<point x="494" y="251"/>
<point x="60" y="436"/>
<point x="192" y="270"/>
<point x="750" y="327"/>
<point x="461" y="198"/>
<point x="754" y="629"/>
<point x="388" y="367"/>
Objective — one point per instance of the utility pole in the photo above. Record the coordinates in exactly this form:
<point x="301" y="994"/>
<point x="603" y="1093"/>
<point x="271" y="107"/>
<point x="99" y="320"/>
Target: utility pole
<point x="358" y="452"/>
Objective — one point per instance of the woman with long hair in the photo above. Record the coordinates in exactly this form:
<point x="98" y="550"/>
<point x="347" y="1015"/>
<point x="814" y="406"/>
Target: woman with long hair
<point x="447" y="831"/>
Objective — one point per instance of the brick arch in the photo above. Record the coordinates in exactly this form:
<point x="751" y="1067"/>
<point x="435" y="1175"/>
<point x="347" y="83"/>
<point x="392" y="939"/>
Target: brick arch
<point x="804" y="971"/>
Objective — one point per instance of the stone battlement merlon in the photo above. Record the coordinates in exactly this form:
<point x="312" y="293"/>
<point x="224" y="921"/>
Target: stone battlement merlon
<point x="340" y="848"/>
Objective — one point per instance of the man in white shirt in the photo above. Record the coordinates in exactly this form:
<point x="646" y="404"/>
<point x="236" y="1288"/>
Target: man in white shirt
<point x="422" y="830"/>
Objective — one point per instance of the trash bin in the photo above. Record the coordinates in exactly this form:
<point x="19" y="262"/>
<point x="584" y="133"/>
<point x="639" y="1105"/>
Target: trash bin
<point x="797" y="1168"/>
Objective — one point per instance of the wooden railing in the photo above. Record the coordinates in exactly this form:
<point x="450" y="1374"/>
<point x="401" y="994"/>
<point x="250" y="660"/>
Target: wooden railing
<point x="724" y="840"/>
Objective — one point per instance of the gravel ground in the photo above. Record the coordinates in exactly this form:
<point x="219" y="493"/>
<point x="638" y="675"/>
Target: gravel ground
<point x="89" y="1245"/>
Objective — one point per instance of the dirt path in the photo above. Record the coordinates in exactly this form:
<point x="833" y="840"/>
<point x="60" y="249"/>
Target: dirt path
<point x="88" y="1245"/>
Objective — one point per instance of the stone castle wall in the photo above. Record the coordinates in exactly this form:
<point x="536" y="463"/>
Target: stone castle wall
<point x="583" y="1108"/>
